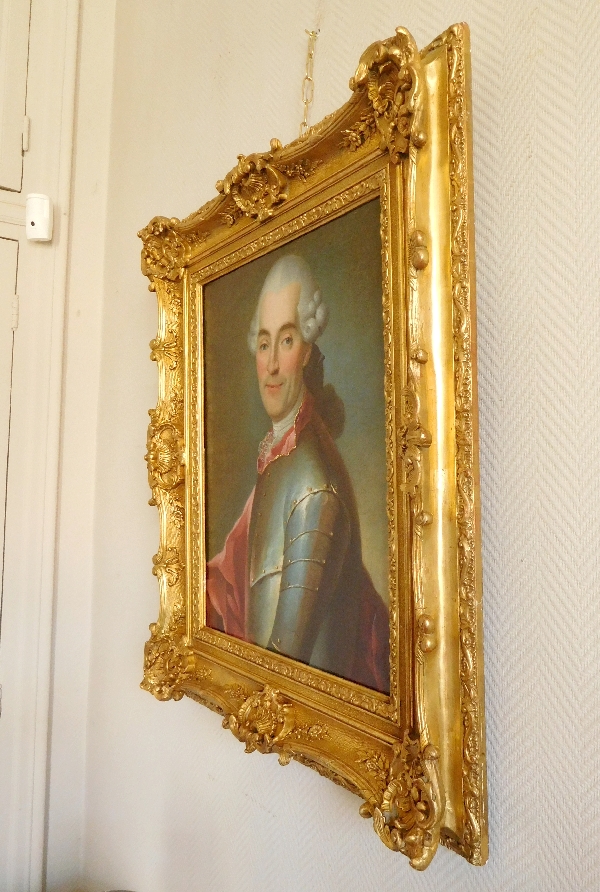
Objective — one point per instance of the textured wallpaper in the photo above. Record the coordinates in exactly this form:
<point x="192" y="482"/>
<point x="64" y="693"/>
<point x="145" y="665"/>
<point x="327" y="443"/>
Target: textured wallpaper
<point x="172" y="802"/>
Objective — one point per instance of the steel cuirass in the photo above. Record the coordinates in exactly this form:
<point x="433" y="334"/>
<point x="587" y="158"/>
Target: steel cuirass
<point x="305" y="556"/>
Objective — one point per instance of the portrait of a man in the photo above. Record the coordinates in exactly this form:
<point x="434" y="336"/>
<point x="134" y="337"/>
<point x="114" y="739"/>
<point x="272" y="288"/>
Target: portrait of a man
<point x="290" y="575"/>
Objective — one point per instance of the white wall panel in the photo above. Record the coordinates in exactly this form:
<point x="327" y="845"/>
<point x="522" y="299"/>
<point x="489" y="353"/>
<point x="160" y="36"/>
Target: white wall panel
<point x="172" y="802"/>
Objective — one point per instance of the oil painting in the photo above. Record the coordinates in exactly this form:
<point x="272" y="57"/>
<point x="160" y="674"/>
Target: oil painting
<point x="295" y="451"/>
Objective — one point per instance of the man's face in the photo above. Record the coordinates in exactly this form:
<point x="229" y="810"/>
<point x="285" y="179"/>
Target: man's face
<point x="281" y="354"/>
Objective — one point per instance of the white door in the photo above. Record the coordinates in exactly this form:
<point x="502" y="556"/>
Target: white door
<point x="14" y="47"/>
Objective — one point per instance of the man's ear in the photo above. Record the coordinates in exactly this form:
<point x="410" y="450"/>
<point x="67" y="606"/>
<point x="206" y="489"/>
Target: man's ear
<point x="307" y="355"/>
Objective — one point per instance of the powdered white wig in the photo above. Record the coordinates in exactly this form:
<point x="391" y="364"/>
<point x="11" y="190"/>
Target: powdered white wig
<point x="312" y="312"/>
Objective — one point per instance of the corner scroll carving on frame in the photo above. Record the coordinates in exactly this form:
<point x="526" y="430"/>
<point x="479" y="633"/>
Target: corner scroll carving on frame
<point x="166" y="251"/>
<point x="390" y="71"/>
<point x="409" y="815"/>
<point x="168" y="662"/>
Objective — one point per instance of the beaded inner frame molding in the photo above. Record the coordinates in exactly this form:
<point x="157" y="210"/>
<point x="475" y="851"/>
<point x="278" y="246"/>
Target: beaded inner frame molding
<point x="416" y="757"/>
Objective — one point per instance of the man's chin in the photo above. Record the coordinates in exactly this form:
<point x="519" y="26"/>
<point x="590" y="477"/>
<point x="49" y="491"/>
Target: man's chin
<point x="272" y="408"/>
<point x="273" y="403"/>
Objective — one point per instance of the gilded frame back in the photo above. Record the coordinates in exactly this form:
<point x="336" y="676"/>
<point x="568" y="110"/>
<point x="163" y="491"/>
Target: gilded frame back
<point x="416" y="757"/>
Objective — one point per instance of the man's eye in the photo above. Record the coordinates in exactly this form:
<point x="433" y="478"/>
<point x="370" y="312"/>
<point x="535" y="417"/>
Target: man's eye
<point x="288" y="341"/>
<point x="262" y="347"/>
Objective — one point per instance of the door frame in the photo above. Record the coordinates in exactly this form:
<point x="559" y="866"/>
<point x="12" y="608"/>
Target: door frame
<point x="34" y="464"/>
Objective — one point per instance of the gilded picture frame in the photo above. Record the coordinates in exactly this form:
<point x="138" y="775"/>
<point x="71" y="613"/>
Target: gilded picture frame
<point x="377" y="201"/>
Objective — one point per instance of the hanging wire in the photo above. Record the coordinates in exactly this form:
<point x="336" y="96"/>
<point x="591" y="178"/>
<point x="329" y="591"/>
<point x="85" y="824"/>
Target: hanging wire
<point x="308" y="83"/>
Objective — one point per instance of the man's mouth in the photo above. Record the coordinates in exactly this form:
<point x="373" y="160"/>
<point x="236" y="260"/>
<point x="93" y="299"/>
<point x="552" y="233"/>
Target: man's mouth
<point x="273" y="387"/>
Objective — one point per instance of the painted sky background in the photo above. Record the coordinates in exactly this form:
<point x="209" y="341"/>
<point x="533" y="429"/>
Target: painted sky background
<point x="345" y="257"/>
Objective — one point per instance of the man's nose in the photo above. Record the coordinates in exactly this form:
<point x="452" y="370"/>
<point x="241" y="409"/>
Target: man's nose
<point x="273" y="364"/>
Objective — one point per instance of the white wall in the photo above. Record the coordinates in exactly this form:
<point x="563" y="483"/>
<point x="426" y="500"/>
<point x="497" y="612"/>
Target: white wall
<point x="75" y="551"/>
<point x="172" y="804"/>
